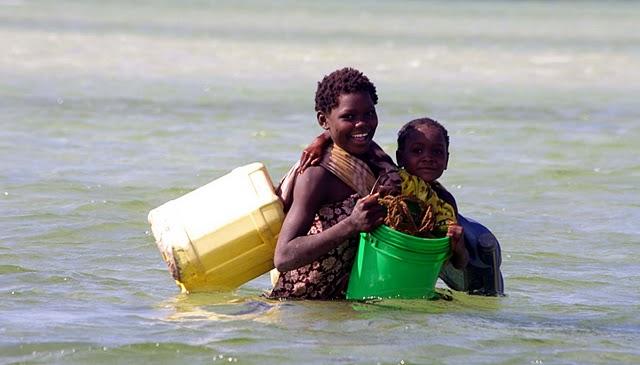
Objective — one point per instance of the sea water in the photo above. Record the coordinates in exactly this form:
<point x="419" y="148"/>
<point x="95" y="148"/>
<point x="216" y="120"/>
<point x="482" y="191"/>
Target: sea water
<point x="109" y="109"/>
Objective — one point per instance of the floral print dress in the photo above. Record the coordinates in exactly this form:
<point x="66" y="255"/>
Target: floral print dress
<point x="327" y="276"/>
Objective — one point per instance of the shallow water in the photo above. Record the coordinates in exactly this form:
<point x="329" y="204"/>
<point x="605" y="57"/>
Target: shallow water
<point x="109" y="110"/>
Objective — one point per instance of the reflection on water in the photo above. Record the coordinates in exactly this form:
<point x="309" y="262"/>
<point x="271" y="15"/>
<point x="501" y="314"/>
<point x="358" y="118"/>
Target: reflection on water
<point x="220" y="307"/>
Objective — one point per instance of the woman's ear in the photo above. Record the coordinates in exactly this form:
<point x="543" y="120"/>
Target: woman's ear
<point x="322" y="120"/>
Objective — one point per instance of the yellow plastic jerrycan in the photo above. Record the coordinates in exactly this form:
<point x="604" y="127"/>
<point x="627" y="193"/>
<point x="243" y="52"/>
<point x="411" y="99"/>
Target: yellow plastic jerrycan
<point x="222" y="234"/>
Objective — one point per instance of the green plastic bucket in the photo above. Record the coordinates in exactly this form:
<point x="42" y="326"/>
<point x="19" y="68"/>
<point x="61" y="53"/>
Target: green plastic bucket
<point x="391" y="264"/>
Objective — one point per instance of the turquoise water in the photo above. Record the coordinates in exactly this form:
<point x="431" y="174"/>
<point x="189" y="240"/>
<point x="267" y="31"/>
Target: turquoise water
<point x="109" y="110"/>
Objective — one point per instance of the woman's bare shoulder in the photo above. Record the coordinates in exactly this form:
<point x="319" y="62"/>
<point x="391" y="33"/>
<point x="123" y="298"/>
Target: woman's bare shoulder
<point x="311" y="184"/>
<point x="319" y="185"/>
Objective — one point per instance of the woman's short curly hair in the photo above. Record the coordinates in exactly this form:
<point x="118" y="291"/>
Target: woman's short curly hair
<point x="344" y="81"/>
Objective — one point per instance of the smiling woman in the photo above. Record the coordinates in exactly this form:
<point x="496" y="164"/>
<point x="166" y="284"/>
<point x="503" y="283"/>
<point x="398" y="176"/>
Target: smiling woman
<point x="331" y="203"/>
<point x="352" y="123"/>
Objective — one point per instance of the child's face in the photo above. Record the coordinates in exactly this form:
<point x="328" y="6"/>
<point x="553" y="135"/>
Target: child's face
<point x="424" y="154"/>
<point x="352" y="123"/>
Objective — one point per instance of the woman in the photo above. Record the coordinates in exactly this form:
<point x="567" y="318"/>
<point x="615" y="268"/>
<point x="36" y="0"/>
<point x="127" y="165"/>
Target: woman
<point x="330" y="204"/>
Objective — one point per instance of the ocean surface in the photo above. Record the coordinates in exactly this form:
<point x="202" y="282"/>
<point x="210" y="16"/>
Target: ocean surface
<point x="109" y="109"/>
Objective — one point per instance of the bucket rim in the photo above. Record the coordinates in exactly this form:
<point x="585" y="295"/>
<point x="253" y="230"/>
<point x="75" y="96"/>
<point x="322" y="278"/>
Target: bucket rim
<point x="415" y="256"/>
<point x="384" y="227"/>
<point x="408" y="242"/>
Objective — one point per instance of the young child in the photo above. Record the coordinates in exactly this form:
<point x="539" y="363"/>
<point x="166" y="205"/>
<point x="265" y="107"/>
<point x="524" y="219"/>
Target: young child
<point x="422" y="157"/>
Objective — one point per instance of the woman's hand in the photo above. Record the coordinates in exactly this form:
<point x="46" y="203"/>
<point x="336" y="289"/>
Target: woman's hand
<point x="459" y="257"/>
<point x="367" y="214"/>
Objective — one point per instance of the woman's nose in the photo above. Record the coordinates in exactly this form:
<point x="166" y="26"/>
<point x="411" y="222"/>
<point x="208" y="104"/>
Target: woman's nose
<point x="363" y="120"/>
<point x="360" y="122"/>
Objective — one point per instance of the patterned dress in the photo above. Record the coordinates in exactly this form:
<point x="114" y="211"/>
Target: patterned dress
<point x="326" y="277"/>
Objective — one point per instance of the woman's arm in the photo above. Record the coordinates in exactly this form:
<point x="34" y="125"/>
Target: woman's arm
<point x="313" y="189"/>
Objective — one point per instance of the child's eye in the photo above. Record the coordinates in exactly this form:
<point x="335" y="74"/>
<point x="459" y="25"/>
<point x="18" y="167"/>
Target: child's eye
<point x="347" y="117"/>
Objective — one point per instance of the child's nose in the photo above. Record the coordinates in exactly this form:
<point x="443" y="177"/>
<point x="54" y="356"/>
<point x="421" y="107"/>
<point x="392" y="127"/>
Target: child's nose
<point x="427" y="157"/>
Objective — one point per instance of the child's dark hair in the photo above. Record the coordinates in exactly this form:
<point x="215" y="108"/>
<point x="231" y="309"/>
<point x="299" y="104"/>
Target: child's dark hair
<point x="414" y="124"/>
<point x="344" y="81"/>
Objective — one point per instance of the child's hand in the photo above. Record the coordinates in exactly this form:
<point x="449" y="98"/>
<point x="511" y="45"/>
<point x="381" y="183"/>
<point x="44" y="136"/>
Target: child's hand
<point x="310" y="157"/>
<point x="367" y="214"/>
<point x="313" y="153"/>
<point x="459" y="257"/>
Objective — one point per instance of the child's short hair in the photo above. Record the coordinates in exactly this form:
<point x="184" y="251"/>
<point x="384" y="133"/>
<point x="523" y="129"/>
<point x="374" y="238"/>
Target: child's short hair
<point x="344" y="81"/>
<point x="414" y="124"/>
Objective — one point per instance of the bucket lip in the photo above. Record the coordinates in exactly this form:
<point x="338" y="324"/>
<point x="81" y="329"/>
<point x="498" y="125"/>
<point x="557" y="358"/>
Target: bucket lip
<point x="418" y="245"/>
<point x="410" y="237"/>
<point x="412" y="243"/>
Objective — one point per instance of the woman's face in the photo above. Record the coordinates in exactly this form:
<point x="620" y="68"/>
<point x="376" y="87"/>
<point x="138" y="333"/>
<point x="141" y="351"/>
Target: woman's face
<point x="352" y="123"/>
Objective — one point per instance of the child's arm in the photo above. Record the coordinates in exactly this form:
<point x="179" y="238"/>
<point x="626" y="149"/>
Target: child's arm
<point x="459" y="255"/>
<point x="313" y="153"/>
